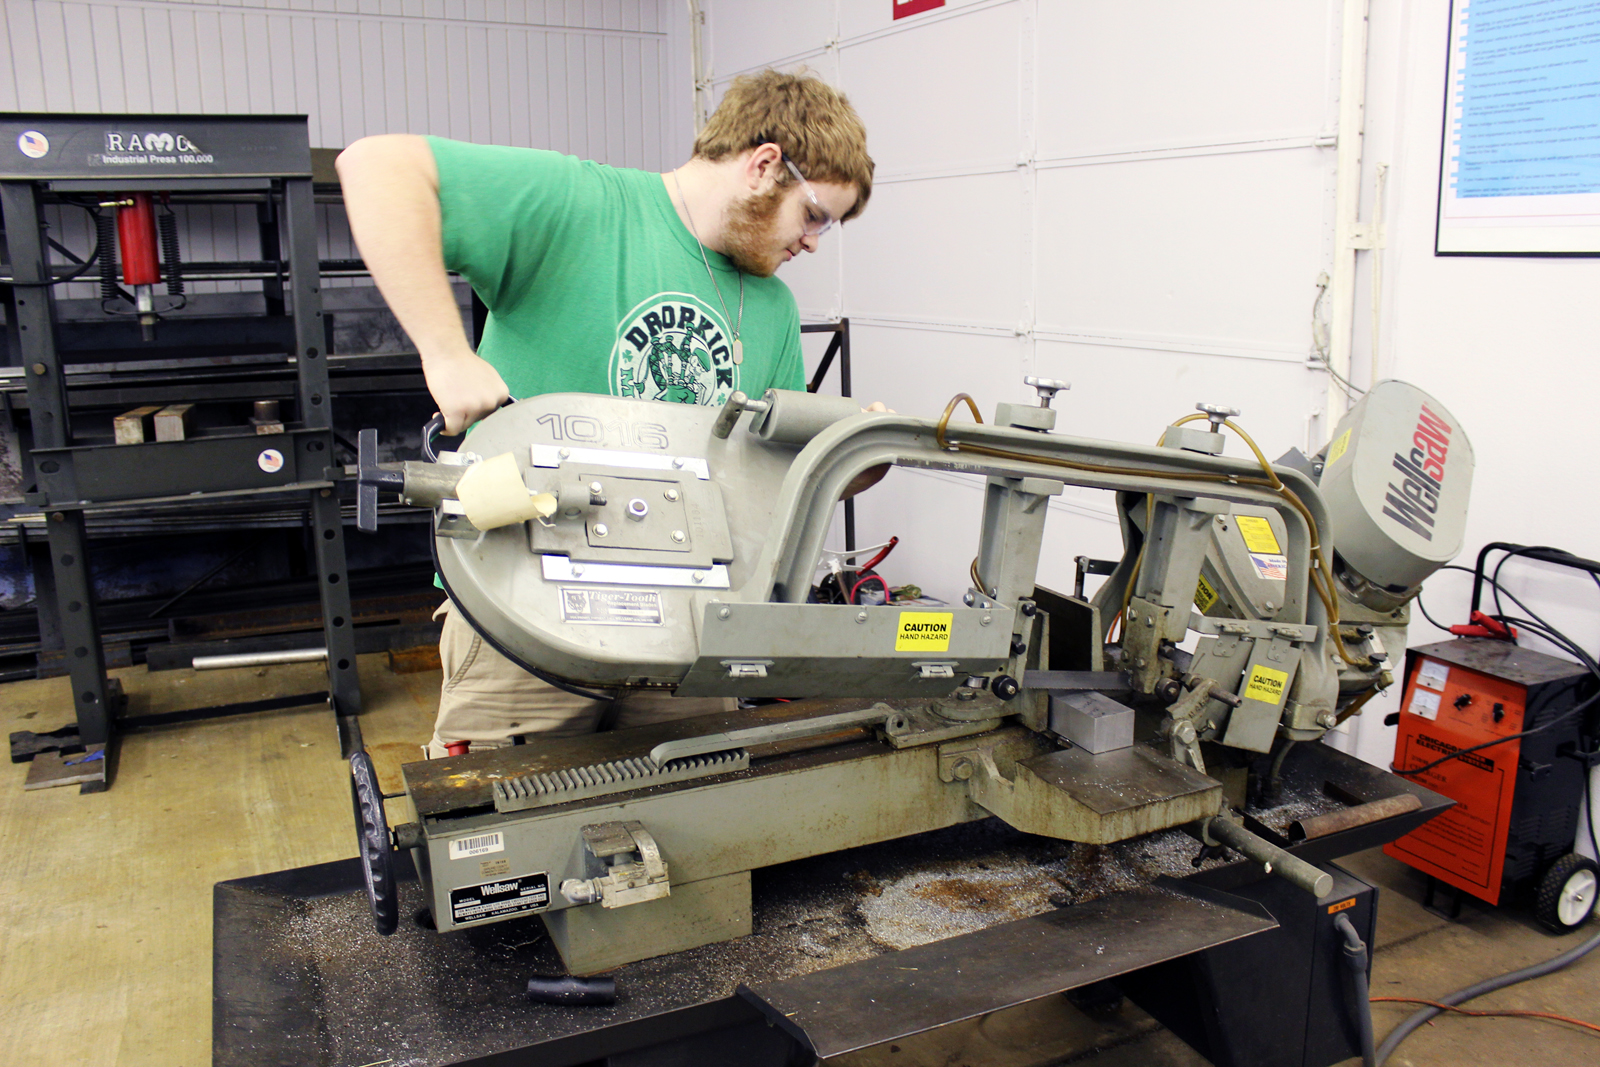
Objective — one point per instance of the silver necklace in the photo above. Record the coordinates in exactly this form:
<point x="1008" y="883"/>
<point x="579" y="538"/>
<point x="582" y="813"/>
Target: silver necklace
<point x="738" y="345"/>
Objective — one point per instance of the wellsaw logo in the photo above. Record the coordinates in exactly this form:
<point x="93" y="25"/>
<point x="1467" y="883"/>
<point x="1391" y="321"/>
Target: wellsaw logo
<point x="1415" y="501"/>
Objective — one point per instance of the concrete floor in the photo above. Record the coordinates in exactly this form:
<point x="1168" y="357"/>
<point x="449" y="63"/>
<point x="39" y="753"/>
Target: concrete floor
<point x="105" y="900"/>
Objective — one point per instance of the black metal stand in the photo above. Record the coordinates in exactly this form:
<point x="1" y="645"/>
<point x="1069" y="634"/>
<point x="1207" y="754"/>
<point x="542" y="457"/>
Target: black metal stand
<point x="839" y="346"/>
<point x="268" y="160"/>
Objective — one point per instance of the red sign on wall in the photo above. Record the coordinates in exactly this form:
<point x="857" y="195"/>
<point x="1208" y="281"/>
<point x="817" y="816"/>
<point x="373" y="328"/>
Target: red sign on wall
<point x="902" y="8"/>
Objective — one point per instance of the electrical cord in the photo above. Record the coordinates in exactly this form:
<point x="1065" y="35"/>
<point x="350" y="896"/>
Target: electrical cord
<point x="549" y="679"/>
<point x="1512" y="1013"/>
<point x="83" y="264"/>
<point x="1472" y="992"/>
<point x="856" y="588"/>
<point x="1319" y="343"/>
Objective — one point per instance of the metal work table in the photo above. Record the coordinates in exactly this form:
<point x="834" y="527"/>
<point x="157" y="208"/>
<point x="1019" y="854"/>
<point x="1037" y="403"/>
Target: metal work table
<point x="983" y="917"/>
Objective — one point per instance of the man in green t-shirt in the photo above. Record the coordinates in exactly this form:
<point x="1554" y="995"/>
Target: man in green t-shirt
<point x="601" y="280"/>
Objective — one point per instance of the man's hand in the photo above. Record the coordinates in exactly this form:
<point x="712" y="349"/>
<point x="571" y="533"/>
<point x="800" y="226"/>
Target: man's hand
<point x="465" y="387"/>
<point x="391" y="196"/>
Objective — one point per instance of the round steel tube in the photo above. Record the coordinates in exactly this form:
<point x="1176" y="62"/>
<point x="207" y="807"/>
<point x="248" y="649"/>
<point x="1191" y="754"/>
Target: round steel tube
<point x="1275" y="860"/>
<point x="258" y="659"/>
<point x="1350" y="818"/>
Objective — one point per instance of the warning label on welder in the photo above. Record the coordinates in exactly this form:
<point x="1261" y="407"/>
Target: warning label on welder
<point x="499" y="899"/>
<point x="604" y="606"/>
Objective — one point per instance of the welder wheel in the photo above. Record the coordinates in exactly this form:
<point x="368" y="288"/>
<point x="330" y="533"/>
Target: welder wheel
<point x="372" y="837"/>
<point x="1567" y="893"/>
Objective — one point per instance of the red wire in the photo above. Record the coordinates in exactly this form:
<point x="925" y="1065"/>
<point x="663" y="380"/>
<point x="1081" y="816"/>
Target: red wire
<point x="851" y="599"/>
<point x="1508" y="1012"/>
<point x="875" y="560"/>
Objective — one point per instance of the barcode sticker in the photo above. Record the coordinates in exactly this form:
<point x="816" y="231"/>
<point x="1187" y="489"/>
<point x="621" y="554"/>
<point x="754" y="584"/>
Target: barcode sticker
<point x="466" y="847"/>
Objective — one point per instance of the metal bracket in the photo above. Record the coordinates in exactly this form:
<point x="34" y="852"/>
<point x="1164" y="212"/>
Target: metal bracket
<point x="626" y="863"/>
<point x="893" y="723"/>
<point x="556" y="455"/>
<point x="747" y="668"/>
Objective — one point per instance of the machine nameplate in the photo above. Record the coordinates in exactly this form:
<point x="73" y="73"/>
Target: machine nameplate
<point x="611" y="607"/>
<point x="500" y="898"/>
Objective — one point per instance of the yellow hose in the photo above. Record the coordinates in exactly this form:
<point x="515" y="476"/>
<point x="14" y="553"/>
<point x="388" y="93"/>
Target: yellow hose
<point x="1321" y="577"/>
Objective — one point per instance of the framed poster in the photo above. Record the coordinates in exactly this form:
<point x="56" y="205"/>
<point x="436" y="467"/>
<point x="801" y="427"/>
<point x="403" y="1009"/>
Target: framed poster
<point x="1519" y="171"/>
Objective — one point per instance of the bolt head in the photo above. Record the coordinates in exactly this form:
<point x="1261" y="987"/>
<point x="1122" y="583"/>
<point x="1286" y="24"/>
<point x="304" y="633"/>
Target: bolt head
<point x="861" y="616"/>
<point x="677" y="536"/>
<point x="577" y="570"/>
<point x="962" y="769"/>
<point x="723" y="613"/>
<point x="672" y="495"/>
<point x="986" y="620"/>
<point x="564" y="453"/>
<point x="698" y="576"/>
<point x="677" y="463"/>
<point x="967" y="599"/>
<point x="1150" y="620"/>
<point x="594" y="487"/>
<point x="600" y="529"/>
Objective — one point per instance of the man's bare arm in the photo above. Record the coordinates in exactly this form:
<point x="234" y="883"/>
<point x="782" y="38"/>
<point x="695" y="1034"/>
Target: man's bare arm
<point x="391" y="194"/>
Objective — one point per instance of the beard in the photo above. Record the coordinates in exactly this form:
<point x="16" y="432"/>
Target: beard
<point x="747" y="233"/>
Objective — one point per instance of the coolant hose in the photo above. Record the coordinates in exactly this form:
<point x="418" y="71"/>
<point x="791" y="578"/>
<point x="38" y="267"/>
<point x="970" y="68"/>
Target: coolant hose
<point x="1355" y="958"/>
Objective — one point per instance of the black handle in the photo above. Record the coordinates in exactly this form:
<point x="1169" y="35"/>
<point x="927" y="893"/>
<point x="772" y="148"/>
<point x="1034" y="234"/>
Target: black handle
<point x="570" y="989"/>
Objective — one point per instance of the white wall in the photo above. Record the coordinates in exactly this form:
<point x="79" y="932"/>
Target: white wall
<point x="1135" y="197"/>
<point x="603" y="79"/>
<point x="1132" y="196"/>
<point x="1511" y="346"/>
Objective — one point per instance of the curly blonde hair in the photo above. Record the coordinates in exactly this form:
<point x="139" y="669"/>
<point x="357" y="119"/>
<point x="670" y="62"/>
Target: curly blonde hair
<point x="812" y="122"/>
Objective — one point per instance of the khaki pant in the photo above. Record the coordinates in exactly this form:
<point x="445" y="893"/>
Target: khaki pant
<point x="487" y="700"/>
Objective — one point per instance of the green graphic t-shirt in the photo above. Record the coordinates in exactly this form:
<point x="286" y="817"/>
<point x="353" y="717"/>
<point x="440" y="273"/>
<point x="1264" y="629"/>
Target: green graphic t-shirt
<point x="594" y="285"/>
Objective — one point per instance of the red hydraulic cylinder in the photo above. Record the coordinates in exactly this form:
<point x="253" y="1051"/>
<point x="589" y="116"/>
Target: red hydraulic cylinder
<point x="136" y="234"/>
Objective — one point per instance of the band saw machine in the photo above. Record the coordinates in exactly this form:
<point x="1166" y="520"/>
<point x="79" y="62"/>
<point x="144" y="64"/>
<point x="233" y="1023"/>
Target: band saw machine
<point x="606" y="543"/>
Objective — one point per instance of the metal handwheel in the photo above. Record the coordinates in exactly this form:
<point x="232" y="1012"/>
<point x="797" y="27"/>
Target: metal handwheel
<point x="372" y="836"/>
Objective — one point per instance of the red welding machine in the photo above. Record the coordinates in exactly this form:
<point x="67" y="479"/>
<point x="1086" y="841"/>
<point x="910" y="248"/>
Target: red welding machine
<point x="1516" y="812"/>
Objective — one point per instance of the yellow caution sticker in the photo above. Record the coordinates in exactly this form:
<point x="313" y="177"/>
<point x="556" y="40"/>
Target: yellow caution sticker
<point x="1204" y="595"/>
<point x="924" y="631"/>
<point x="1257" y="534"/>
<point x="1266" y="684"/>
<point x="1341" y="906"/>
<point x="1337" y="449"/>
